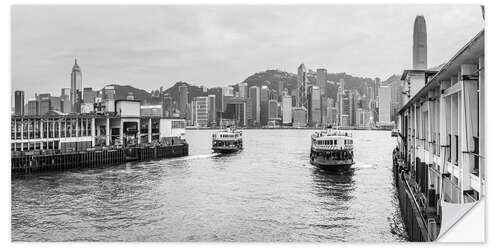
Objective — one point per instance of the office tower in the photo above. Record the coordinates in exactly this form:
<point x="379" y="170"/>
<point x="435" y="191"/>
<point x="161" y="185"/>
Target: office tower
<point x="201" y="111"/>
<point x="396" y="97"/>
<point x="243" y="90"/>
<point x="287" y="110"/>
<point x="43" y="103"/>
<point x="33" y="108"/>
<point x="301" y="86"/>
<point x="65" y="104"/>
<point x="193" y="112"/>
<point x="212" y="112"/>
<point x="273" y="109"/>
<point x="239" y="110"/>
<point x="355" y="105"/>
<point x="66" y="91"/>
<point x="167" y="106"/>
<point x="183" y="100"/>
<point x="89" y="95"/>
<point x="55" y="103"/>
<point x="281" y="88"/>
<point x="255" y="98"/>
<point x="314" y="111"/>
<point x="321" y="75"/>
<point x="419" y="44"/>
<point x="76" y="88"/>
<point x="19" y="102"/>
<point x="377" y="85"/>
<point x="384" y="116"/>
<point x="264" y="105"/>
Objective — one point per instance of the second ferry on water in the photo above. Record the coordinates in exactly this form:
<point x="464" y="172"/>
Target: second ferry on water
<point x="228" y="140"/>
<point x="332" y="149"/>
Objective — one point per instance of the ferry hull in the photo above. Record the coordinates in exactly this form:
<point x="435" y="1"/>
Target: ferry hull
<point x="226" y="150"/>
<point x="332" y="165"/>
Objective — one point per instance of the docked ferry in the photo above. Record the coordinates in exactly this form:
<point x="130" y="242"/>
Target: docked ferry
<point x="332" y="149"/>
<point x="228" y="140"/>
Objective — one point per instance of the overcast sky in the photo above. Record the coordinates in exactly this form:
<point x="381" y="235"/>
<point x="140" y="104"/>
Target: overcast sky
<point x="149" y="47"/>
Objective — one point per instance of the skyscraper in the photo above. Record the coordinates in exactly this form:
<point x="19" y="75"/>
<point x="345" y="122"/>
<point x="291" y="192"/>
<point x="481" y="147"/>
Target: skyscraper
<point x="419" y="43"/>
<point x="212" y="113"/>
<point x="243" y="90"/>
<point x="301" y="86"/>
<point x="201" y="111"/>
<point x="384" y="105"/>
<point x="321" y="80"/>
<point x="255" y="97"/>
<point x="19" y="102"/>
<point x="287" y="110"/>
<point x="264" y="104"/>
<point x="76" y="88"/>
<point x="183" y="100"/>
<point x="314" y="106"/>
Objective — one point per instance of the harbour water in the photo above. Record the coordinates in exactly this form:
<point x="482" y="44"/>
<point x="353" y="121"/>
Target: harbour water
<point x="267" y="192"/>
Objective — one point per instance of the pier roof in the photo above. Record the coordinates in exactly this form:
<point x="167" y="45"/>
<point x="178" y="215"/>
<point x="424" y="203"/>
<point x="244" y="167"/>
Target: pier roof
<point x="466" y="55"/>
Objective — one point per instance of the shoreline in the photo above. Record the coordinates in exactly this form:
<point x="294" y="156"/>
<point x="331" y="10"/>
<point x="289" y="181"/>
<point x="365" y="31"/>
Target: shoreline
<point x="292" y="128"/>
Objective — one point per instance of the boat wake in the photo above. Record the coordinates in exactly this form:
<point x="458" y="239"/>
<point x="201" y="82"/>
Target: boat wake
<point x="194" y="157"/>
<point x="362" y="165"/>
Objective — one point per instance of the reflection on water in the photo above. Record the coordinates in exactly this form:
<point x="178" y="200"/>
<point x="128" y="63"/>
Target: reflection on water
<point x="267" y="192"/>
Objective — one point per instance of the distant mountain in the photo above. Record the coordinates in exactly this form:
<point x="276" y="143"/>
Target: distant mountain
<point x="271" y="78"/>
<point x="123" y="90"/>
<point x="391" y="79"/>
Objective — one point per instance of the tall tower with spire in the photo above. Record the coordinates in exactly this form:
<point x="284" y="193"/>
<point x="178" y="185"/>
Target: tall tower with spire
<point x="419" y="43"/>
<point x="76" y="88"/>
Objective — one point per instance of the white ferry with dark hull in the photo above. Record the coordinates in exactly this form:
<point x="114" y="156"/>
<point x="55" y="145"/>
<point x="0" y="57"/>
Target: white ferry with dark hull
<point x="227" y="141"/>
<point x="332" y="150"/>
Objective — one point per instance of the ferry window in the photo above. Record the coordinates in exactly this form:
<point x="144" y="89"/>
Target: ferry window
<point x="335" y="142"/>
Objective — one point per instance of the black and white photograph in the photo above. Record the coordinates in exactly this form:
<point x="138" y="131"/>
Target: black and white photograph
<point x="274" y="123"/>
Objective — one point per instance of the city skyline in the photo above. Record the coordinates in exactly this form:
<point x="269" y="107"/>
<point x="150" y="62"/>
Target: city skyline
<point x="121" y="58"/>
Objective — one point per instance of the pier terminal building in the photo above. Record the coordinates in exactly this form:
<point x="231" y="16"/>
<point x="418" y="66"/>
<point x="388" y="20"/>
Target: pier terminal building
<point x="440" y="160"/>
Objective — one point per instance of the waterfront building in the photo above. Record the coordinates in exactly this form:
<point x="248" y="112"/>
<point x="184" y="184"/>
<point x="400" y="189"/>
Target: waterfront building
<point x="314" y="111"/>
<point x="264" y="104"/>
<point x="384" y="117"/>
<point x="255" y="97"/>
<point x="76" y="88"/>
<point x="239" y="110"/>
<point x="419" y="44"/>
<point x="287" y="110"/>
<point x="442" y="141"/>
<point x="301" y="99"/>
<point x="212" y="112"/>
<point x="273" y="109"/>
<point x="201" y="111"/>
<point x="183" y="100"/>
<point x="344" y="120"/>
<point x="19" y="102"/>
<point x="331" y="115"/>
<point x="299" y="115"/>
<point x="79" y="132"/>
